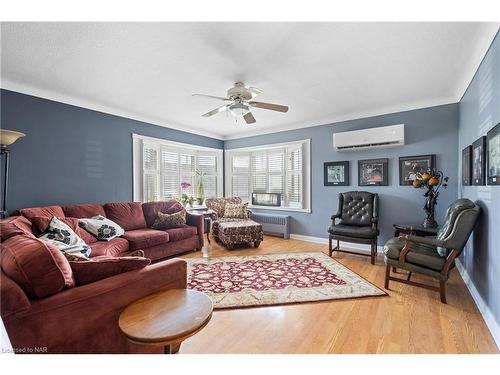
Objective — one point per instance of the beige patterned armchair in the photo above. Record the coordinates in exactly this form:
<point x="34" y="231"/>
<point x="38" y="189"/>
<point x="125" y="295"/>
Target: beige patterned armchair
<point x="233" y="231"/>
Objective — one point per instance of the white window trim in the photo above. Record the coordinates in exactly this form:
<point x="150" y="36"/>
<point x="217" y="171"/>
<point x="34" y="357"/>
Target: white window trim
<point x="137" y="141"/>
<point x="306" y="143"/>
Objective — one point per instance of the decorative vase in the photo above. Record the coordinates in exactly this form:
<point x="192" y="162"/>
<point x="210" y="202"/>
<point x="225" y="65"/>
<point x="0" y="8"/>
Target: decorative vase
<point x="200" y="191"/>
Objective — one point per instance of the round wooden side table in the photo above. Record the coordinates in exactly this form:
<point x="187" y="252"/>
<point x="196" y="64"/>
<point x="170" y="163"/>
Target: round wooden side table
<point x="166" y="318"/>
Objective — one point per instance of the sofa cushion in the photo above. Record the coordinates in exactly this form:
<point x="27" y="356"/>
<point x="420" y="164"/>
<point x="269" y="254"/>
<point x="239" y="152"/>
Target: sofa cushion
<point x="65" y="239"/>
<point x="186" y="231"/>
<point x="41" y="223"/>
<point x="38" y="267"/>
<point x="14" y="300"/>
<point x="151" y="209"/>
<point x="128" y="215"/>
<point x="166" y="221"/>
<point x="87" y="271"/>
<point x="48" y="211"/>
<point x="14" y="226"/>
<point x="142" y="238"/>
<point x="237" y="211"/>
<point x="83" y="210"/>
<point x="101" y="227"/>
<point x="114" y="247"/>
<point x="353" y="231"/>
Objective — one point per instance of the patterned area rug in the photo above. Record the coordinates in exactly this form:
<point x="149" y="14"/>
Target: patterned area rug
<point x="264" y="280"/>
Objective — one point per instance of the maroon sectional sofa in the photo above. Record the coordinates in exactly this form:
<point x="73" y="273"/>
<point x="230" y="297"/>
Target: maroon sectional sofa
<point x="45" y="311"/>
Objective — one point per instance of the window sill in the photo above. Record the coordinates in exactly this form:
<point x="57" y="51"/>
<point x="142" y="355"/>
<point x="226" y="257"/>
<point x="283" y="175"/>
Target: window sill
<point x="290" y="209"/>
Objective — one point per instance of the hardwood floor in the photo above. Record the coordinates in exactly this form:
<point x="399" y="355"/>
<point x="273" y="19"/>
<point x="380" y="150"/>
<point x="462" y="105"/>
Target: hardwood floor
<point x="409" y="320"/>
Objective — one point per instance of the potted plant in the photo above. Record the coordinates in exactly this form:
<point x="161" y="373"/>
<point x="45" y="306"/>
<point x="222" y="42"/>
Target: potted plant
<point x="431" y="180"/>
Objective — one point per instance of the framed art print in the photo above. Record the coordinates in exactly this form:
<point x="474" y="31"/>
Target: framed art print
<point x="493" y="153"/>
<point x="373" y="172"/>
<point x="466" y="166"/>
<point x="336" y="173"/>
<point x="479" y="162"/>
<point x="411" y="166"/>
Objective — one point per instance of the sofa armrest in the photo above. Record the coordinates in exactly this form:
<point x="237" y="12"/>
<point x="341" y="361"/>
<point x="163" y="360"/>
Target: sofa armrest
<point x="12" y="298"/>
<point x="197" y="221"/>
<point x="84" y="319"/>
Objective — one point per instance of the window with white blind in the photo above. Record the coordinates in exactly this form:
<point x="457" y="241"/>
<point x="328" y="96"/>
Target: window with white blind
<point x="277" y="168"/>
<point x="161" y="166"/>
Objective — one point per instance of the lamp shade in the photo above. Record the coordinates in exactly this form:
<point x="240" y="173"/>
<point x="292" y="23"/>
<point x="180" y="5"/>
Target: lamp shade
<point x="8" y="137"/>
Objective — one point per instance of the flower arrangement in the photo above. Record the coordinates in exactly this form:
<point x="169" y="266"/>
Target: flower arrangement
<point x="185" y="199"/>
<point x="433" y="181"/>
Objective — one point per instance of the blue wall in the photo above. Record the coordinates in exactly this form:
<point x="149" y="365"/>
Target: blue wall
<point x="427" y="131"/>
<point x="73" y="154"/>
<point x="479" y="111"/>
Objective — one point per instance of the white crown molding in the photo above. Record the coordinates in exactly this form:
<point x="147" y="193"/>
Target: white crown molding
<point x="350" y="116"/>
<point x="482" y="50"/>
<point x="481" y="304"/>
<point x="22" y="88"/>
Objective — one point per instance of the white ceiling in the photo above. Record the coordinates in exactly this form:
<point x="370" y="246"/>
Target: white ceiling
<point x="325" y="72"/>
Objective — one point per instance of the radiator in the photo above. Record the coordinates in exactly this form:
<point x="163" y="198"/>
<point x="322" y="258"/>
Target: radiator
<point x="273" y="224"/>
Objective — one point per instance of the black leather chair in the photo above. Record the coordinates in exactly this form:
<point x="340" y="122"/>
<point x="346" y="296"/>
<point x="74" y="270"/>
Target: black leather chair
<point x="434" y="257"/>
<point x="358" y="219"/>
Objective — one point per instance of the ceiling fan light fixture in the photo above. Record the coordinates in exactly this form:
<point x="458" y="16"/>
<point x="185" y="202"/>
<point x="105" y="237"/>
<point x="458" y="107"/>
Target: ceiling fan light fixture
<point x="239" y="109"/>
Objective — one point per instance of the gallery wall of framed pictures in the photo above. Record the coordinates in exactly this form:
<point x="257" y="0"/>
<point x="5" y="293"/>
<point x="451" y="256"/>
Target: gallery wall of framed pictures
<point x="493" y="155"/>
<point x="481" y="160"/>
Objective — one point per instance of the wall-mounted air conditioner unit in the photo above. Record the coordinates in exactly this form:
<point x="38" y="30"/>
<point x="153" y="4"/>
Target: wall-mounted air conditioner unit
<point x="384" y="136"/>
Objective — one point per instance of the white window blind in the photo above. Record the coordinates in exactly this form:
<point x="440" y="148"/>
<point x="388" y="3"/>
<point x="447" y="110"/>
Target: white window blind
<point x="269" y="170"/>
<point x="165" y="167"/>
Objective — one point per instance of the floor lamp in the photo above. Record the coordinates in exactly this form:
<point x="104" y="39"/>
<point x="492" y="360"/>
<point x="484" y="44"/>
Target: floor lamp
<point x="7" y="137"/>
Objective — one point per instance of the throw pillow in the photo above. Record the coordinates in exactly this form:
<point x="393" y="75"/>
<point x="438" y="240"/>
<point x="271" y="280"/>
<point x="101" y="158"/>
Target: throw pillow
<point x="236" y="211"/>
<point x="41" y="223"/>
<point x="65" y="239"/>
<point x="102" y="228"/>
<point x="166" y="221"/>
<point x="86" y="271"/>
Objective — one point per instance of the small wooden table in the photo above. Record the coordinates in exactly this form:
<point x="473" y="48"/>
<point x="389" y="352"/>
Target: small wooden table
<point x="414" y="230"/>
<point x="166" y="318"/>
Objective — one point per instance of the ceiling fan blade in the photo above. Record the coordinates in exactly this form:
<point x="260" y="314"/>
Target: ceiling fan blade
<point x="254" y="91"/>
<point x="212" y="97"/>
<point x="272" y="107"/>
<point x="216" y="110"/>
<point x="249" y="119"/>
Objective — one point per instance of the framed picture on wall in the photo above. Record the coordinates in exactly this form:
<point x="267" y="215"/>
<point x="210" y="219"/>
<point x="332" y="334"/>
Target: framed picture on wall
<point x="411" y="166"/>
<point x="373" y="172"/>
<point x="466" y="166"/>
<point x="479" y="162"/>
<point x="336" y="173"/>
<point x="493" y="147"/>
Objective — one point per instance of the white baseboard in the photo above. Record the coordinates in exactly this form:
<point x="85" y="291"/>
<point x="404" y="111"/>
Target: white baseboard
<point x="488" y="316"/>
<point x="348" y="245"/>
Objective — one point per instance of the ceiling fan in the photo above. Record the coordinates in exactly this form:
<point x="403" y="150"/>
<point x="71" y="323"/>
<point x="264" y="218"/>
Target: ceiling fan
<point x="239" y="100"/>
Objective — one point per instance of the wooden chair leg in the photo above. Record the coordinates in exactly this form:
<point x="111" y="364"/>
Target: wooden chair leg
<point x="442" y="290"/>
<point x="330" y="250"/>
<point x="373" y="252"/>
<point x="387" y="274"/>
<point x="409" y="276"/>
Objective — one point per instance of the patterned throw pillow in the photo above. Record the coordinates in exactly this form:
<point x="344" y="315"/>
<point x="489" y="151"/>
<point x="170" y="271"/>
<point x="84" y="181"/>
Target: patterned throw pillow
<point x="65" y="239"/>
<point x="166" y="221"/>
<point x="236" y="211"/>
<point x="102" y="228"/>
